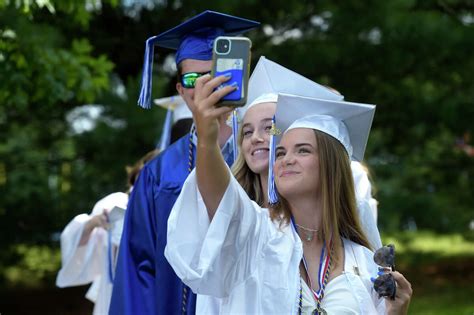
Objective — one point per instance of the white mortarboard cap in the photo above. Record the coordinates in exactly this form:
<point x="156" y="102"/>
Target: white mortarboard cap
<point x="270" y="77"/>
<point x="176" y="109"/>
<point x="177" y="105"/>
<point x="346" y="121"/>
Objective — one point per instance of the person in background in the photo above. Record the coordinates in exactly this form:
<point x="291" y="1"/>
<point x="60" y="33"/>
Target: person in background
<point x="178" y="121"/>
<point x="145" y="283"/>
<point x="89" y="243"/>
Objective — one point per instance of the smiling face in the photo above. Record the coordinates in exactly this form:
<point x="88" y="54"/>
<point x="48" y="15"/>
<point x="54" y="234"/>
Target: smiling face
<point x="297" y="164"/>
<point x="256" y="127"/>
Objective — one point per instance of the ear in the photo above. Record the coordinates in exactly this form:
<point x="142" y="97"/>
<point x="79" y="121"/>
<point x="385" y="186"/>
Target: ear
<point x="180" y="88"/>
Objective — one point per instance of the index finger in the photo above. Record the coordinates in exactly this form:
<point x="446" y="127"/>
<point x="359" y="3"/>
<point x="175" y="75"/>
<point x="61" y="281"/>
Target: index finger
<point x="402" y="282"/>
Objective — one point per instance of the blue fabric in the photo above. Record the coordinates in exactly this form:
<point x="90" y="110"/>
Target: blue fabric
<point x="271" y="188"/>
<point x="144" y="281"/>
<point x="166" y="132"/>
<point x="198" y="45"/>
<point x="193" y="39"/>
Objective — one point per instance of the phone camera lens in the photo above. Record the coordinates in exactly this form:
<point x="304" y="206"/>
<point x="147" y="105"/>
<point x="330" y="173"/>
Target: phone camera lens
<point x="223" y="46"/>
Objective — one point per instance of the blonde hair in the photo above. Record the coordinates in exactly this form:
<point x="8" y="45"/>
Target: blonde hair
<point x="340" y="216"/>
<point x="249" y="180"/>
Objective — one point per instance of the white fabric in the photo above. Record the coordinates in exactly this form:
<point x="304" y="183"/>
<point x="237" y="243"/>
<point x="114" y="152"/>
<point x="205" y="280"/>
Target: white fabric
<point x="363" y="187"/>
<point x="177" y="104"/>
<point x="357" y="118"/>
<point x="246" y="259"/>
<point x="336" y="291"/>
<point x="327" y="124"/>
<point x="89" y="263"/>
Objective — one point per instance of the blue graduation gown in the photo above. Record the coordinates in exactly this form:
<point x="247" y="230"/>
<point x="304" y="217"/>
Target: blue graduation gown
<point x="144" y="281"/>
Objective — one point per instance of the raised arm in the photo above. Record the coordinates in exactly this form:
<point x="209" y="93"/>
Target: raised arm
<point x="211" y="169"/>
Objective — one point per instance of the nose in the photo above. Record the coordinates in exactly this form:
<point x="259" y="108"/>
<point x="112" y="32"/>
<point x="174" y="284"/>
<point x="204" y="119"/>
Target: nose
<point x="288" y="159"/>
<point x="256" y="137"/>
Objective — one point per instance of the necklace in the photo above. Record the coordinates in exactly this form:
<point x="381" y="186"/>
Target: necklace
<point x="309" y="233"/>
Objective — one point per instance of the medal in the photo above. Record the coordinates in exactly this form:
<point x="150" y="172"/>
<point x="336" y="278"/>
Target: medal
<point x="320" y="311"/>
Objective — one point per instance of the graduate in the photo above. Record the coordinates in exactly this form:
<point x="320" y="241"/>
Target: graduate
<point x="178" y="120"/>
<point x="264" y="85"/>
<point x="89" y="243"/>
<point x="145" y="283"/>
<point x="307" y="254"/>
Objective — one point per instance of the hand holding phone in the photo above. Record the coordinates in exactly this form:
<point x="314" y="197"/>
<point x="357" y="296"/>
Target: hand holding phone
<point x="231" y="56"/>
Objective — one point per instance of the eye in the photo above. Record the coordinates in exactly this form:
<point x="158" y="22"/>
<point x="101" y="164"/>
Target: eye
<point x="247" y="133"/>
<point x="268" y="129"/>
<point x="279" y="154"/>
<point x="303" y="150"/>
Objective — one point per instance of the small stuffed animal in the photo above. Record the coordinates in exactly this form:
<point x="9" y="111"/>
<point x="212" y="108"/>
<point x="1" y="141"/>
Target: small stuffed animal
<point x="385" y="284"/>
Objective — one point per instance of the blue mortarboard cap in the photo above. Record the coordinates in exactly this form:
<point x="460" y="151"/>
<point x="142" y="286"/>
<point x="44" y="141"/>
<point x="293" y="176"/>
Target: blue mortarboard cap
<point x="193" y="39"/>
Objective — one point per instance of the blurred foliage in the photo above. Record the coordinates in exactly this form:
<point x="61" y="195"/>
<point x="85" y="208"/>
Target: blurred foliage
<point x="36" y="266"/>
<point x="411" y="58"/>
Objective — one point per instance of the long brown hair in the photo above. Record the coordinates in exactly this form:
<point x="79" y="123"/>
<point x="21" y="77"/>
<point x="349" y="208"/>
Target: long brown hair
<point x="249" y="181"/>
<point x="134" y="170"/>
<point x="340" y="216"/>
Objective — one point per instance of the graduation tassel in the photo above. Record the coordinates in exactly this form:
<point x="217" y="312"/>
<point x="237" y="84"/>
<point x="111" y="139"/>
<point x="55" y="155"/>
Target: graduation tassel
<point x="235" y="135"/>
<point x="272" y="192"/>
<point x="166" y="132"/>
<point x="144" y="99"/>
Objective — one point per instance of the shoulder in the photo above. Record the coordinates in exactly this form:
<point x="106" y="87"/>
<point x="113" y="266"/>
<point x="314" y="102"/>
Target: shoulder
<point x="173" y="155"/>
<point x="171" y="165"/>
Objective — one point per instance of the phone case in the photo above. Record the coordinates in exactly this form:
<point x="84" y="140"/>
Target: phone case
<point x="236" y="62"/>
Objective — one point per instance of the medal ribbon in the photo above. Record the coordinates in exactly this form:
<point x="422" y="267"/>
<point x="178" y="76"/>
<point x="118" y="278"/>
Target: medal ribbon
<point x="323" y="273"/>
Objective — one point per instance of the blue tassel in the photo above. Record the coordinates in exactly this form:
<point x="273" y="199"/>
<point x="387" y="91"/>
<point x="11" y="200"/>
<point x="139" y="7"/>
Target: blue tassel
<point x="235" y="134"/>
<point x="272" y="192"/>
<point x="144" y="99"/>
<point x="166" y="132"/>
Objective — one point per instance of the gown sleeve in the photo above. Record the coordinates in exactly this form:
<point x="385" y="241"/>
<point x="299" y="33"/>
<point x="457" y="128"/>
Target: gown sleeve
<point x="80" y="264"/>
<point x="83" y="264"/>
<point x="134" y="286"/>
<point x="213" y="258"/>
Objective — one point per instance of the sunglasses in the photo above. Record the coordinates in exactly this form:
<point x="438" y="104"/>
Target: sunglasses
<point x="188" y="80"/>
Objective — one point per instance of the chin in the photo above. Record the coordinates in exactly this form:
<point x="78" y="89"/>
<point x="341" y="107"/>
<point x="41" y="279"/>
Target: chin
<point x="258" y="168"/>
<point x="288" y="188"/>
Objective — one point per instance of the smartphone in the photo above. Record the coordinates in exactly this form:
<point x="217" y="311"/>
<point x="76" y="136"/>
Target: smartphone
<point x="232" y="55"/>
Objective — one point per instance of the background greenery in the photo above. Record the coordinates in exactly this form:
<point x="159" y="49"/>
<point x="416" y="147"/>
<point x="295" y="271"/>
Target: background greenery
<point x="414" y="59"/>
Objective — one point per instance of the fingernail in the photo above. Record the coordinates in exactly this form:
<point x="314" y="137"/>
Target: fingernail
<point x="380" y="273"/>
<point x="228" y="75"/>
<point x="235" y="84"/>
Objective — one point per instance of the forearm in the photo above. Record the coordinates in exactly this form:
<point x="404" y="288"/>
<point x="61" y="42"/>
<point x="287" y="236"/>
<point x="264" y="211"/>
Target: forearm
<point x="212" y="175"/>
<point x="86" y="232"/>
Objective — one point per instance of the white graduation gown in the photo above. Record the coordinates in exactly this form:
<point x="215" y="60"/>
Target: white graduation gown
<point x="246" y="260"/>
<point x="89" y="263"/>
<point x="363" y="187"/>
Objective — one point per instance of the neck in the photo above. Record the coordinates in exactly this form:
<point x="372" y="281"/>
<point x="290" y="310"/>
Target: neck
<point x="307" y="212"/>
<point x="264" y="186"/>
<point x="224" y="131"/>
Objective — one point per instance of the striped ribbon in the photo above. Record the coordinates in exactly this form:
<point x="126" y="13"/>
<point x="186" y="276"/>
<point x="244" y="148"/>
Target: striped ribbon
<point x="235" y="133"/>
<point x="323" y="275"/>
